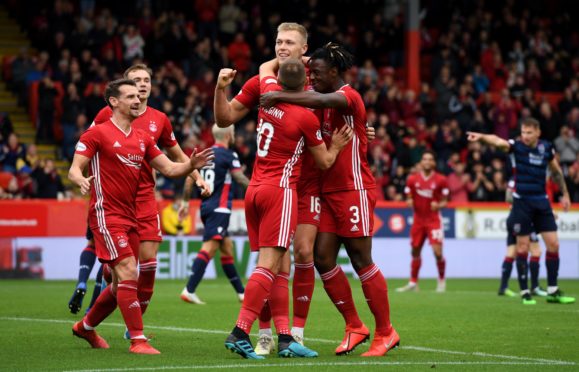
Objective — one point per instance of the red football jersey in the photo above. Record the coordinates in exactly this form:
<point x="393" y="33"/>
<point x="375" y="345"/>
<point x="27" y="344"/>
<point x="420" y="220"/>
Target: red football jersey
<point x="425" y="190"/>
<point x="283" y="131"/>
<point x="351" y="170"/>
<point x="157" y="125"/>
<point x="116" y="162"/>
<point x="310" y="178"/>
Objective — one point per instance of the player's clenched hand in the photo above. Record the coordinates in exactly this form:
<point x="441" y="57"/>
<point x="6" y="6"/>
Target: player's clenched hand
<point x="566" y="203"/>
<point x="202" y="159"/>
<point x="268" y="100"/>
<point x="203" y="186"/>
<point x="183" y="211"/>
<point x="340" y="138"/>
<point x="474" y="136"/>
<point x="370" y="133"/>
<point x="225" y="77"/>
<point x="84" y="185"/>
<point x="434" y="206"/>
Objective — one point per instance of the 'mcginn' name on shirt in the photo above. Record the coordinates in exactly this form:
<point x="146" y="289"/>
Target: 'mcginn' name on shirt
<point x="275" y="112"/>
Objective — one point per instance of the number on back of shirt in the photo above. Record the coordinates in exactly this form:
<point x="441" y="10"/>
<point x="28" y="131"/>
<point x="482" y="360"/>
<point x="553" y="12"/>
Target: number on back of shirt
<point x="264" y="136"/>
<point x="208" y="175"/>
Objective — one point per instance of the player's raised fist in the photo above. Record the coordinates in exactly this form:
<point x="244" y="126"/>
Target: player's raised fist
<point x="225" y="77"/>
<point x="202" y="159"/>
<point x="474" y="136"/>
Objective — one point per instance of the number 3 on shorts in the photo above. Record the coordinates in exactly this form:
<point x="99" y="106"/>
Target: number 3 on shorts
<point x="355" y="214"/>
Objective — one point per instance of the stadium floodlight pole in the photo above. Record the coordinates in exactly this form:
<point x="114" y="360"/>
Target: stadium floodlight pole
<point x="412" y="40"/>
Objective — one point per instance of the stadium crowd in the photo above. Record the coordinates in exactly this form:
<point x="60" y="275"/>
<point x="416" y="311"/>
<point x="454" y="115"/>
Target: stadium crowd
<point x="485" y="66"/>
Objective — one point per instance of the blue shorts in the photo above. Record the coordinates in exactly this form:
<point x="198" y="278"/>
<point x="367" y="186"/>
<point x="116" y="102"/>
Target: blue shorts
<point x="512" y="237"/>
<point x="532" y="215"/>
<point x="216" y="225"/>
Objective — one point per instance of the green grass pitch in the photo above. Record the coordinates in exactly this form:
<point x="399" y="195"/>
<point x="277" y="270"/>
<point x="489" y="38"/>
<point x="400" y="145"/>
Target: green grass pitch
<point x="467" y="328"/>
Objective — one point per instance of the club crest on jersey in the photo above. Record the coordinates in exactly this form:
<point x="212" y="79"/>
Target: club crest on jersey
<point x="152" y="126"/>
<point x="541" y="148"/>
<point x="319" y="134"/>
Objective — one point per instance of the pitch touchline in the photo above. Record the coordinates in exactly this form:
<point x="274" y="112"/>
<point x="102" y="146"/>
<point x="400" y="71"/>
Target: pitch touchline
<point x="312" y="364"/>
<point x="319" y="340"/>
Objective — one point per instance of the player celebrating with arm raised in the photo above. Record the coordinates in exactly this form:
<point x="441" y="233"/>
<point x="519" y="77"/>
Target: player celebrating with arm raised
<point x="271" y="204"/>
<point x="348" y="201"/>
<point x="116" y="153"/>
<point x="530" y="158"/>
<point x="427" y="193"/>
<point x="215" y="213"/>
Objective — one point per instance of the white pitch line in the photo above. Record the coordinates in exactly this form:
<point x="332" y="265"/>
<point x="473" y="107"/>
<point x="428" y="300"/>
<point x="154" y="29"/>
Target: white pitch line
<point x="312" y="364"/>
<point x="319" y="340"/>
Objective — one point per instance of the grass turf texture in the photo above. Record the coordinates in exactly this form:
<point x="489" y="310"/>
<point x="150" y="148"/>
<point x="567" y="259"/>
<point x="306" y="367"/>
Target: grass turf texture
<point x="468" y="327"/>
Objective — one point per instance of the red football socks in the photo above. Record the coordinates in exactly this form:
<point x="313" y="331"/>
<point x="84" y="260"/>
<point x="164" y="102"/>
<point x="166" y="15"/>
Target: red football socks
<point x="104" y="305"/>
<point x="147" y="270"/>
<point x="376" y="293"/>
<point x="415" y="268"/>
<point x="302" y="290"/>
<point x="130" y="308"/>
<point x="338" y="289"/>
<point x="279" y="303"/>
<point x="257" y="291"/>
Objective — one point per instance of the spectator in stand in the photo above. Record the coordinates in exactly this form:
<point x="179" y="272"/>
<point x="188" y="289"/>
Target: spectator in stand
<point x="8" y="185"/>
<point x="46" y="95"/>
<point x="567" y="147"/>
<point x="505" y="116"/>
<point x="480" y="80"/>
<point x="26" y="186"/>
<point x="480" y="187"/>
<point x="228" y="16"/>
<point x="133" y="44"/>
<point x="239" y="53"/>
<point x="11" y="152"/>
<point x="48" y="181"/>
<point x="458" y="182"/>
<point x="73" y="106"/>
<point x="499" y="187"/>
<point x="550" y="122"/>
<point x="573" y="180"/>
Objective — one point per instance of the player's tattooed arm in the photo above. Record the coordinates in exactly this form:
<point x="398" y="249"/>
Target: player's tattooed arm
<point x="240" y="178"/>
<point x="489" y="139"/>
<point x="306" y="98"/>
<point x="557" y="176"/>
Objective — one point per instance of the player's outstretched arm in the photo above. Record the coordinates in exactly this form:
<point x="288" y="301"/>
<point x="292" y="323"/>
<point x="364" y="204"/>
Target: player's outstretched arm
<point x="226" y="112"/>
<point x="307" y="98"/>
<point x="177" y="154"/>
<point x="557" y="176"/>
<point x="240" y="178"/>
<point x="325" y="157"/>
<point x="75" y="173"/>
<point x="175" y="170"/>
<point x="489" y="139"/>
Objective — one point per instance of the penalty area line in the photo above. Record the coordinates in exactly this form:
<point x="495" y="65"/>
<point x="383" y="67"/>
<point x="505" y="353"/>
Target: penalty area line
<point x="536" y="361"/>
